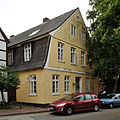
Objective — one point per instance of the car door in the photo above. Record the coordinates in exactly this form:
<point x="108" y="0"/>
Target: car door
<point x="88" y="102"/>
<point x="79" y="103"/>
<point x="117" y="100"/>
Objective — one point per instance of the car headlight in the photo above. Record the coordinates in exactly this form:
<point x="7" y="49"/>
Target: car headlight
<point x="61" y="105"/>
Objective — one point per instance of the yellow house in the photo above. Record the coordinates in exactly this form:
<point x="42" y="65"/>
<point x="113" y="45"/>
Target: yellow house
<point x="51" y="59"/>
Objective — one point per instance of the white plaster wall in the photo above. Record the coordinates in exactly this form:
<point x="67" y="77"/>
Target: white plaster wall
<point x="2" y="63"/>
<point x="1" y="37"/>
<point x="2" y="55"/>
<point x="2" y="45"/>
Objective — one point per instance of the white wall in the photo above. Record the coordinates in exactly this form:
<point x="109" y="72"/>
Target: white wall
<point x="1" y="37"/>
<point x="5" y="95"/>
<point x="2" y="55"/>
<point x="2" y="63"/>
<point x="2" y="45"/>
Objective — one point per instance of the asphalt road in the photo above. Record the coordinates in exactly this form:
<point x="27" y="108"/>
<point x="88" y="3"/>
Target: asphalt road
<point x="103" y="114"/>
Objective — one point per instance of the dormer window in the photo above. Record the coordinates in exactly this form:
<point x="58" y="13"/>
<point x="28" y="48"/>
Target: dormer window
<point x="73" y="30"/>
<point x="27" y="52"/>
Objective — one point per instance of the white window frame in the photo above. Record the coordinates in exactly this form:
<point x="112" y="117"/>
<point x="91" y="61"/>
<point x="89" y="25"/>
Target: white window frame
<point x="60" y="52"/>
<point x="87" y="84"/>
<point x="73" y="60"/>
<point x="82" y="58"/>
<point x="83" y="35"/>
<point x="55" y="84"/>
<point x="27" y="52"/>
<point x="73" y="30"/>
<point x="10" y="57"/>
<point x="33" y="85"/>
<point x="67" y="84"/>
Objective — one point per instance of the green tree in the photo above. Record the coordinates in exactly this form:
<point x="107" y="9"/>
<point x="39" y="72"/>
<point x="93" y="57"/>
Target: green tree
<point x="8" y="80"/>
<point x="104" y="43"/>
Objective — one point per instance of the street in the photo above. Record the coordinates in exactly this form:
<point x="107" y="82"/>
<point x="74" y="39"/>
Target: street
<point x="103" y="114"/>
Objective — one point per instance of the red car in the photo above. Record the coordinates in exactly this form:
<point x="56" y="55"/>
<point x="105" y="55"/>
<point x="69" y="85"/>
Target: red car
<point x="76" y="102"/>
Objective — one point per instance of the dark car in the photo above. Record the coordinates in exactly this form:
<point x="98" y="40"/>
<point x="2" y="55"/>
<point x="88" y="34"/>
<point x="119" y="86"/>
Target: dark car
<point x="111" y="100"/>
<point x="75" y="102"/>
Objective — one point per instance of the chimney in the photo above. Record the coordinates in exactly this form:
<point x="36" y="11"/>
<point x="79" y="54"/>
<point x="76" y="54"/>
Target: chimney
<point x="12" y="36"/>
<point x="45" y="19"/>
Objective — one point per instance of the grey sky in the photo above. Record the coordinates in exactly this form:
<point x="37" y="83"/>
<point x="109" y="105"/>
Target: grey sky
<point x="17" y="16"/>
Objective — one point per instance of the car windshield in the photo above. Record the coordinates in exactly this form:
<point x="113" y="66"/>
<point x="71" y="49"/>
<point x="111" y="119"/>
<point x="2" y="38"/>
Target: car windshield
<point x="109" y="96"/>
<point x="68" y="97"/>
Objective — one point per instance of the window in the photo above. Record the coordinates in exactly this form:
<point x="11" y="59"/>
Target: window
<point x="32" y="84"/>
<point x="73" y="55"/>
<point x="87" y="84"/>
<point x="55" y="84"/>
<point x="88" y="97"/>
<point x="60" y="51"/>
<point x="83" y="35"/>
<point x="27" y="52"/>
<point x="93" y="87"/>
<point x="67" y="83"/>
<point x="73" y="30"/>
<point x="81" y="97"/>
<point x="10" y="57"/>
<point x="82" y="58"/>
<point x="94" y="96"/>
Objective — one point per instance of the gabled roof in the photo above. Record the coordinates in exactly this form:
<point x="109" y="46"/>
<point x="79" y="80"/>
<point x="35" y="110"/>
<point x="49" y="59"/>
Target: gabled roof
<point x="3" y="36"/>
<point x="41" y="29"/>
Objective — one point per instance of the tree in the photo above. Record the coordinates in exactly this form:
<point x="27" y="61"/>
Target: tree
<point x="104" y="43"/>
<point x="8" y="80"/>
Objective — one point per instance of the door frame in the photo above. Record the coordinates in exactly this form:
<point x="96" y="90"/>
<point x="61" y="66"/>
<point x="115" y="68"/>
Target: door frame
<point x="80" y="84"/>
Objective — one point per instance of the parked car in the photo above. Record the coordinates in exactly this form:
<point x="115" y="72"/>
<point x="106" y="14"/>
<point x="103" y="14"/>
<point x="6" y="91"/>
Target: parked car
<point x="76" y="102"/>
<point x="111" y="100"/>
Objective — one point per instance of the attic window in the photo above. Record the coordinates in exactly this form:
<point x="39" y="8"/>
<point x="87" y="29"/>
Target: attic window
<point x="78" y="17"/>
<point x="33" y="33"/>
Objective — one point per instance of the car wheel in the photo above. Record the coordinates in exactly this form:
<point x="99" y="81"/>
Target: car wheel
<point x="111" y="105"/>
<point x="69" y="110"/>
<point x="96" y="108"/>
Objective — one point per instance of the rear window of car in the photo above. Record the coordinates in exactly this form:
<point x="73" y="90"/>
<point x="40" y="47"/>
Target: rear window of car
<point x="94" y="96"/>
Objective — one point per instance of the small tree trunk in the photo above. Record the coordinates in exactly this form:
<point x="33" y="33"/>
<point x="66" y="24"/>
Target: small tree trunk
<point x="116" y="86"/>
<point x="3" y="99"/>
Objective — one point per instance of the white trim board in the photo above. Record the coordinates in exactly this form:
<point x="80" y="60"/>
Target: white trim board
<point x="66" y="70"/>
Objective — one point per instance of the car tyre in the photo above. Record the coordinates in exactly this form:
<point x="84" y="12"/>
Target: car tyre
<point x="111" y="105"/>
<point x="69" y="110"/>
<point x="96" y="108"/>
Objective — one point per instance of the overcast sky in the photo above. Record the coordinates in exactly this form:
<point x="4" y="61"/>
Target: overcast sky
<point x="16" y="16"/>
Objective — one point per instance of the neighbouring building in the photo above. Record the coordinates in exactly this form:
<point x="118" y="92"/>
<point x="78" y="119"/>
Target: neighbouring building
<point x="3" y="55"/>
<point x="3" y="46"/>
<point x="51" y="59"/>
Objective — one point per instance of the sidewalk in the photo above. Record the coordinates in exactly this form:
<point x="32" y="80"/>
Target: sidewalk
<point x="25" y="109"/>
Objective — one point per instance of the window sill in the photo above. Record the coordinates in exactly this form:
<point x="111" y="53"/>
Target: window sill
<point x="54" y="94"/>
<point x="83" y="66"/>
<point x="66" y="93"/>
<point x="33" y="94"/>
<point x="73" y="64"/>
<point x="62" y="61"/>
